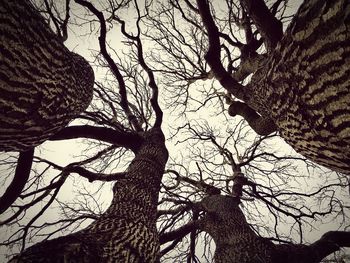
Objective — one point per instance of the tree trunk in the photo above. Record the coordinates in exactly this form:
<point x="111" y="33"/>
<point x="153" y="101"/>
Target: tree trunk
<point x="43" y="85"/>
<point x="236" y="242"/>
<point x="305" y="86"/>
<point x="126" y="232"/>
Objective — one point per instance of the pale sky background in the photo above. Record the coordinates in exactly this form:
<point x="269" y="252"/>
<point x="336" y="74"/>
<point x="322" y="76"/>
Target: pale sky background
<point x="64" y="152"/>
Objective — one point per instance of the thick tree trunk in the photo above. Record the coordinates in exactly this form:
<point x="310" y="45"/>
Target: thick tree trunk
<point x="43" y="85"/>
<point x="305" y="85"/>
<point x="236" y="242"/>
<point x="126" y="232"/>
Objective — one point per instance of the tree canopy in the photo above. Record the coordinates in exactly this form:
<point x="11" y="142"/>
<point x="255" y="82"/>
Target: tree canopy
<point x="160" y="168"/>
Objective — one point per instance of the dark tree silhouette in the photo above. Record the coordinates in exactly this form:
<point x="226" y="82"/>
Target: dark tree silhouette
<point x="226" y="185"/>
<point x="218" y="204"/>
<point x="126" y="231"/>
<point x="43" y="85"/>
<point x="293" y="81"/>
<point x="301" y="86"/>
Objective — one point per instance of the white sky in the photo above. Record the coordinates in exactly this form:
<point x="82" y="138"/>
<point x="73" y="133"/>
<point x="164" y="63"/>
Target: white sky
<point x="64" y="152"/>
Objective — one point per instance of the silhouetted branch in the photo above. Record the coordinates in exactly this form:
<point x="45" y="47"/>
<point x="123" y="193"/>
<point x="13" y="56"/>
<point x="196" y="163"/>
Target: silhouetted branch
<point x="213" y="53"/>
<point x="330" y="242"/>
<point x="112" y="65"/>
<point x="91" y="176"/>
<point x="199" y="184"/>
<point x="61" y="25"/>
<point x="129" y="140"/>
<point x="268" y="25"/>
<point x="178" y="233"/>
<point x="140" y="56"/>
<point x="259" y="124"/>
<point x="22" y="172"/>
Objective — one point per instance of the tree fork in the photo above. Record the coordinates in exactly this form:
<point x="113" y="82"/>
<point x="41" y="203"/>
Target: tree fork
<point x="303" y="86"/>
<point x="127" y="231"/>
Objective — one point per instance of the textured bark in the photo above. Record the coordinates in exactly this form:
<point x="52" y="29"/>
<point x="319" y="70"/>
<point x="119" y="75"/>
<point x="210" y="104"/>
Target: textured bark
<point x="261" y="125"/>
<point x="126" y="232"/>
<point x="236" y="242"/>
<point x="305" y="85"/>
<point x="43" y="85"/>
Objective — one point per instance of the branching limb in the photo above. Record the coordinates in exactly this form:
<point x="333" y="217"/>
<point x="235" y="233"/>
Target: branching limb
<point x="25" y="229"/>
<point x="60" y="24"/>
<point x="140" y="56"/>
<point x="77" y="167"/>
<point x="128" y="140"/>
<point x="329" y="243"/>
<point x="213" y="54"/>
<point x="170" y="247"/>
<point x="46" y="191"/>
<point x="259" y="124"/>
<point x="112" y="65"/>
<point x="199" y="184"/>
<point x="268" y="25"/>
<point x="193" y="236"/>
<point x="91" y="176"/>
<point x="178" y="233"/>
<point x="21" y="176"/>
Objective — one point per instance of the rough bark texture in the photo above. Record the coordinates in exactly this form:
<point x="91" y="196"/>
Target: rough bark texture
<point x="305" y="86"/>
<point x="262" y="126"/>
<point x="126" y="232"/>
<point x="43" y="85"/>
<point x="236" y="242"/>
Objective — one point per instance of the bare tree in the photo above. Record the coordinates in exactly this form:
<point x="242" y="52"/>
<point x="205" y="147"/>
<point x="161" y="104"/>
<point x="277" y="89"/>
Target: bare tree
<point x="43" y="85"/>
<point x="294" y="81"/>
<point x="227" y="192"/>
<point x="126" y="231"/>
<point x="226" y="185"/>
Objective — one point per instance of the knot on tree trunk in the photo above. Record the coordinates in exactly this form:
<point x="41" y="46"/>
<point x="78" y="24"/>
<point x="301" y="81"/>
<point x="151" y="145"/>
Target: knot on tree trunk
<point x="261" y="125"/>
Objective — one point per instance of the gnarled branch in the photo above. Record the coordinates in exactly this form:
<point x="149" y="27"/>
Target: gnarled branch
<point x="259" y="124"/>
<point x="112" y="65"/>
<point x="125" y="139"/>
<point x="268" y="25"/>
<point x="24" y="165"/>
<point x="213" y="53"/>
